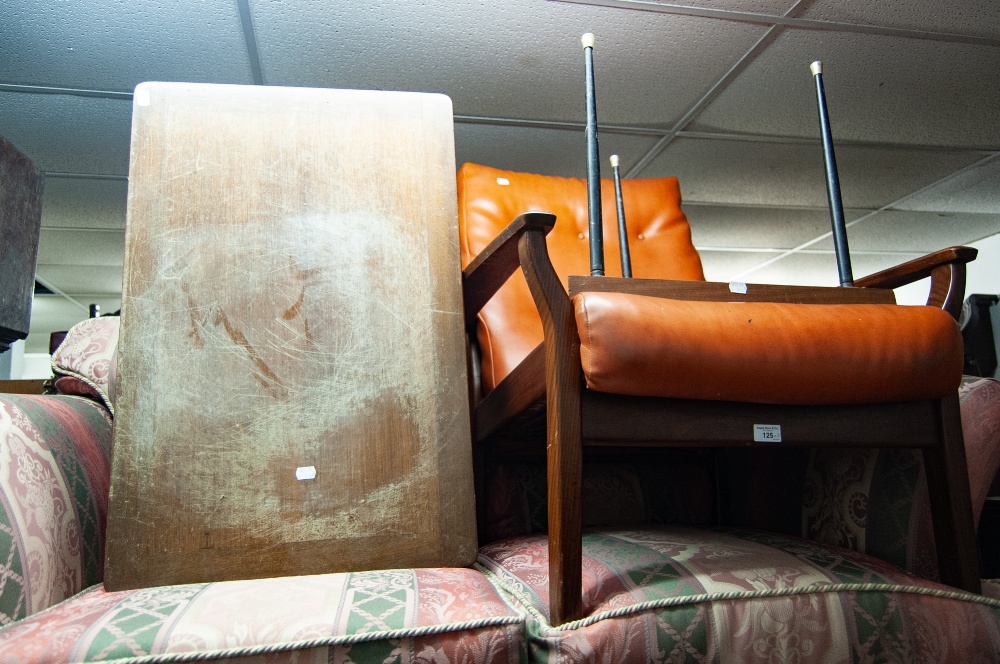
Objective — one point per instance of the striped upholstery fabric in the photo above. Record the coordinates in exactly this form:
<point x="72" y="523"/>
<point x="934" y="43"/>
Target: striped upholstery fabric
<point x="677" y="594"/>
<point x="876" y="500"/>
<point x="86" y="360"/>
<point x="423" y="615"/>
<point x="55" y="456"/>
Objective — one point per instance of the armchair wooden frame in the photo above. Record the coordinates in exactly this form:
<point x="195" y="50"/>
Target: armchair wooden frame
<point x="550" y="379"/>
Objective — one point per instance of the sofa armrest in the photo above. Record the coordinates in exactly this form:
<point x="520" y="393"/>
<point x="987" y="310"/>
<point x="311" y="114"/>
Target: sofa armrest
<point x="55" y="473"/>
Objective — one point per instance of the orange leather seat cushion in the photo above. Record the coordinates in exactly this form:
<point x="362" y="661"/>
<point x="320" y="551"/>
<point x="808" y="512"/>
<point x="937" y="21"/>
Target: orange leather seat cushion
<point x="489" y="199"/>
<point x="763" y="352"/>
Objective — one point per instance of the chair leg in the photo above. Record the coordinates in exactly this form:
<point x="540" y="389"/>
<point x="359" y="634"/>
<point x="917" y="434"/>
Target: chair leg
<point x="951" y="503"/>
<point x="562" y="403"/>
<point x="565" y="477"/>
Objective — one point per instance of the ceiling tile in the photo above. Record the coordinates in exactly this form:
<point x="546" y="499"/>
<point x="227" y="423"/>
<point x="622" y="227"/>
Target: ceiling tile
<point x="114" y="45"/>
<point x="521" y="59"/>
<point x="81" y="248"/>
<point x="758" y="227"/>
<point x="90" y="280"/>
<point x="69" y="134"/>
<point x="974" y="190"/>
<point x="968" y="17"/>
<point x="774" y="7"/>
<point x="866" y="263"/>
<point x="791" y="174"/>
<point x="925" y="232"/>
<point x="818" y="268"/>
<point x="881" y="89"/>
<point x="84" y="203"/>
<point x="722" y="265"/>
<point x="541" y="150"/>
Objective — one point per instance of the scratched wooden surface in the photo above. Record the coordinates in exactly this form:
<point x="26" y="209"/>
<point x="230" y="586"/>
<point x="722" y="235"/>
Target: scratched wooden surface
<point x="292" y="299"/>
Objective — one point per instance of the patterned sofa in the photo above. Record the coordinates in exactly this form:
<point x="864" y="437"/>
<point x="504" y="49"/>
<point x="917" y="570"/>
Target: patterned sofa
<point x="785" y="580"/>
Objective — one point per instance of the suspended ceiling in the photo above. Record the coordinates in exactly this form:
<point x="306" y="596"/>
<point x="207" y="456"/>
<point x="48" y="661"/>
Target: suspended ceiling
<point x="717" y="93"/>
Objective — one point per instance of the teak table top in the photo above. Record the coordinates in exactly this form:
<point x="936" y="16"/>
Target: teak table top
<point x="292" y="382"/>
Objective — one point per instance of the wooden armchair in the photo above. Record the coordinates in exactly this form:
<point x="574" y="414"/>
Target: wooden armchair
<point x="668" y="359"/>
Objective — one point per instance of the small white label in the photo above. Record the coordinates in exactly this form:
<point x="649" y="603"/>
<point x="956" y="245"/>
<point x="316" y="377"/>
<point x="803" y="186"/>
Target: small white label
<point x="142" y="97"/>
<point x="767" y="433"/>
<point x="738" y="287"/>
<point x="503" y="182"/>
<point x="305" y="473"/>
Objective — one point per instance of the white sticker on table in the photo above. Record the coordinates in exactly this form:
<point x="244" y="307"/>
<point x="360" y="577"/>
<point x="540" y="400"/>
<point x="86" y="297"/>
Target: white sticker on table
<point x="305" y="473"/>
<point x="767" y="433"/>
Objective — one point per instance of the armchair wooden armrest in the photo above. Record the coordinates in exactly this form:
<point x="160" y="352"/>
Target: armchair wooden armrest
<point x="946" y="268"/>
<point x="491" y="268"/>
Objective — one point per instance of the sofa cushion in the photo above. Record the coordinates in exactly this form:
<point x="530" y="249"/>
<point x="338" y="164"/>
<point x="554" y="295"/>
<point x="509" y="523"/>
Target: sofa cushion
<point x="86" y="360"/>
<point x="432" y="615"/>
<point x="767" y="352"/>
<point x="681" y="594"/>
<point x="55" y="464"/>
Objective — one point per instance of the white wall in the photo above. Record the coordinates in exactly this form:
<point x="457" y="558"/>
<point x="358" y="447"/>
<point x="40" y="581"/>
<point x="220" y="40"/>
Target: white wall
<point x="15" y="364"/>
<point x="37" y="366"/>
<point x="984" y="272"/>
<point x="12" y="361"/>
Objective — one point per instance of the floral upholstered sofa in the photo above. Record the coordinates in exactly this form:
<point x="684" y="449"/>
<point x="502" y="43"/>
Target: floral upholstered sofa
<point x="786" y="579"/>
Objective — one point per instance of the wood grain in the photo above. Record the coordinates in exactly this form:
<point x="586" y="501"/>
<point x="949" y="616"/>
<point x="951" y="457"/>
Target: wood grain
<point x="22" y="386"/>
<point x="292" y="299"/>
<point x="563" y="375"/>
<point x="951" y="502"/>
<point x="484" y="276"/>
<point x="946" y="268"/>
<point x="917" y="269"/>
<point x="722" y="292"/>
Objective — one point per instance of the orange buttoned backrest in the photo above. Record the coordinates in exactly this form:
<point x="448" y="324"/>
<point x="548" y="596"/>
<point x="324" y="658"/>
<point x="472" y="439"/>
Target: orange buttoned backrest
<point x="489" y="199"/>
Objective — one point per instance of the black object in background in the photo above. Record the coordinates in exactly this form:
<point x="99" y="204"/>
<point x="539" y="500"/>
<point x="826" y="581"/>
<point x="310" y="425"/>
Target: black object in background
<point x="980" y="335"/>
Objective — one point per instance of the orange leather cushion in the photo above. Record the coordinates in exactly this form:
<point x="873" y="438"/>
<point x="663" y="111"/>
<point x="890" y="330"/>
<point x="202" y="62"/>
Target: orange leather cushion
<point x="659" y="238"/>
<point x="764" y="352"/>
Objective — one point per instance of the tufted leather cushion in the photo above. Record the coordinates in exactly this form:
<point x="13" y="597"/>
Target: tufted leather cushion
<point x="659" y="238"/>
<point x="765" y="352"/>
